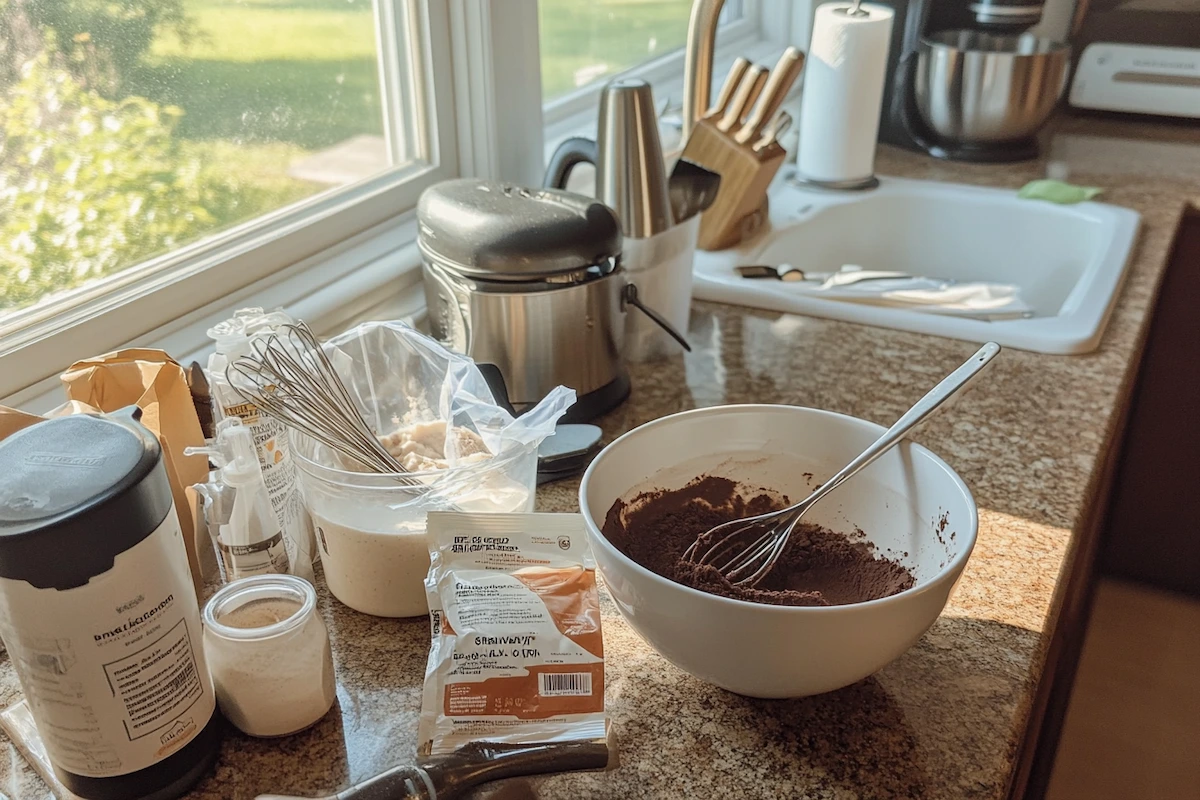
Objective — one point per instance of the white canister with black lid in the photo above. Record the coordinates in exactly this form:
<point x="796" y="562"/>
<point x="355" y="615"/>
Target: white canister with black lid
<point x="98" y="609"/>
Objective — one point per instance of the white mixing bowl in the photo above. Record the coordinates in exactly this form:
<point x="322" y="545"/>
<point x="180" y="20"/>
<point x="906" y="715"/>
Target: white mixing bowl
<point x="911" y="505"/>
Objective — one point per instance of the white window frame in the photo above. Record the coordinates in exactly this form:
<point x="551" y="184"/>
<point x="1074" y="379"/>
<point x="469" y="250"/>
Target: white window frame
<point x="350" y="254"/>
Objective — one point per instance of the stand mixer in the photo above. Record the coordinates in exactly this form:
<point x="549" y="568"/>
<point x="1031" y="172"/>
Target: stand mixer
<point x="966" y="82"/>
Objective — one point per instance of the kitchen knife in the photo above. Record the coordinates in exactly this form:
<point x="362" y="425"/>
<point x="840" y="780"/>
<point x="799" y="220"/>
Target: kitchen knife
<point x="783" y="121"/>
<point x="732" y="80"/>
<point x="828" y="280"/>
<point x="787" y="69"/>
<point x="747" y="92"/>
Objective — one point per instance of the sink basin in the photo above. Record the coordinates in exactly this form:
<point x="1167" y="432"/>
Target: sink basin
<point x="1068" y="261"/>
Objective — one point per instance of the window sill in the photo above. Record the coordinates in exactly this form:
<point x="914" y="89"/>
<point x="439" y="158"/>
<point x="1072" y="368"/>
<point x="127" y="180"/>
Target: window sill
<point x="376" y="275"/>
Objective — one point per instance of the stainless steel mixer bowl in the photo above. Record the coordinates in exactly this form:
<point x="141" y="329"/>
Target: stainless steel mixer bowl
<point x="979" y="88"/>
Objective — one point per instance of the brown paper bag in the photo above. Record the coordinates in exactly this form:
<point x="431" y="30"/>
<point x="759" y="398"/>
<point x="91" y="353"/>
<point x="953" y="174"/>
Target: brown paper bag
<point x="12" y="421"/>
<point x="155" y="383"/>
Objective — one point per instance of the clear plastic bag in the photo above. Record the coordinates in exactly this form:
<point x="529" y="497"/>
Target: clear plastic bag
<point x="371" y="529"/>
<point x="17" y="723"/>
<point x="398" y="376"/>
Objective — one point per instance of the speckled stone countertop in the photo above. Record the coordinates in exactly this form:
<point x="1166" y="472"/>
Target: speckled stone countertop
<point x="944" y="720"/>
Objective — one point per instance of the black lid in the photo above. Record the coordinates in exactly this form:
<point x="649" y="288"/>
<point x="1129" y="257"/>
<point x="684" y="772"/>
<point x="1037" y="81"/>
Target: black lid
<point x="501" y="232"/>
<point x="76" y="492"/>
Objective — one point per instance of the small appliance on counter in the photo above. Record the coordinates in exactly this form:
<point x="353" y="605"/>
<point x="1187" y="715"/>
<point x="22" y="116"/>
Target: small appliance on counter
<point x="659" y="217"/>
<point x="966" y="81"/>
<point x="530" y="281"/>
<point x="1138" y="57"/>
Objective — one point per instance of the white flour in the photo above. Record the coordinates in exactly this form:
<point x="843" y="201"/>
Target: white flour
<point x="424" y="446"/>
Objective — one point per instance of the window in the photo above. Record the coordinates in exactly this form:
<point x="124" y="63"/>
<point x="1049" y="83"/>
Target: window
<point x="585" y="43"/>
<point x="145" y="142"/>
<point x="162" y="160"/>
<point x="128" y="140"/>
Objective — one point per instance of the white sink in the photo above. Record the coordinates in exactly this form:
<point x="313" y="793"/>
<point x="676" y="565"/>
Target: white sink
<point x="1069" y="261"/>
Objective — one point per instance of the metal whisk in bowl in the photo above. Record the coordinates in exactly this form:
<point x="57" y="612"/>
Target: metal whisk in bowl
<point x="745" y="550"/>
<point x="289" y="376"/>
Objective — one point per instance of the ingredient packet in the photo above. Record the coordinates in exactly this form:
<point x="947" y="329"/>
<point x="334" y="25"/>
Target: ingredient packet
<point x="517" y="652"/>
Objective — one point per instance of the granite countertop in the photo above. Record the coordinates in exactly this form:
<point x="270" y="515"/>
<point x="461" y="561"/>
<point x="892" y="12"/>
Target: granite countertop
<point x="944" y="720"/>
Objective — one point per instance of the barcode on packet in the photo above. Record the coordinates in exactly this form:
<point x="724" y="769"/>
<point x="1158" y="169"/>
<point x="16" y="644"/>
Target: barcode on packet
<point x="565" y="684"/>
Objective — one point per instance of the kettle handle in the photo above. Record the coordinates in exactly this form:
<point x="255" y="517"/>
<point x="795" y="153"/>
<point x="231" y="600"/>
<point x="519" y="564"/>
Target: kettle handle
<point x="572" y="152"/>
<point x="630" y="296"/>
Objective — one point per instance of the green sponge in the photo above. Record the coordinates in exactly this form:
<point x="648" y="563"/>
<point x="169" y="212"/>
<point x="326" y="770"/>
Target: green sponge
<point x="1057" y="192"/>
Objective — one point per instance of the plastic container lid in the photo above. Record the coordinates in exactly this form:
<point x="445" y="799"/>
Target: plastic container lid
<point x="232" y="336"/>
<point x="77" y="492"/>
<point x="501" y="232"/>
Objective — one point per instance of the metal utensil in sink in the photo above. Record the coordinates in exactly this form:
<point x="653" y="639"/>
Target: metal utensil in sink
<point x="745" y="550"/>
<point x="842" y="277"/>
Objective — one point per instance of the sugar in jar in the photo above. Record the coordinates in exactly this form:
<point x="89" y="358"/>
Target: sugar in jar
<point x="269" y="653"/>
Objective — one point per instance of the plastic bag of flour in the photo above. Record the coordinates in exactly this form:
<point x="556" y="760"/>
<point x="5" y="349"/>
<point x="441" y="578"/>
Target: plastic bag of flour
<point x="517" y="653"/>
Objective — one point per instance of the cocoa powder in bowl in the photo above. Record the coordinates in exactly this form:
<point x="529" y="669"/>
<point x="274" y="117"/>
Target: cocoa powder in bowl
<point x="819" y="567"/>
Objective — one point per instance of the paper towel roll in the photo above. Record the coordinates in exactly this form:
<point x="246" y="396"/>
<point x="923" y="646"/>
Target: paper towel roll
<point x="843" y="92"/>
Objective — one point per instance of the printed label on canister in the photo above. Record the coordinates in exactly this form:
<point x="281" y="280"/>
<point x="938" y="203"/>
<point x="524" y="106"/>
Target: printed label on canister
<point x="279" y="474"/>
<point x="113" y="671"/>
<point x="260" y="558"/>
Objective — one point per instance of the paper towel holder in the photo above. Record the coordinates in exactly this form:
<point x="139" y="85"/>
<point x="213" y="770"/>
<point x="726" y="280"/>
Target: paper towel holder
<point x="857" y="184"/>
<point x="853" y="11"/>
<point x="797" y="178"/>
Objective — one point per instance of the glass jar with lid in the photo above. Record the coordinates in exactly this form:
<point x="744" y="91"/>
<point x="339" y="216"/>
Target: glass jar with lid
<point x="269" y="653"/>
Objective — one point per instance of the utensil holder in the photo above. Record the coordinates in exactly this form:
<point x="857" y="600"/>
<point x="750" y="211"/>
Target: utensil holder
<point x="661" y="268"/>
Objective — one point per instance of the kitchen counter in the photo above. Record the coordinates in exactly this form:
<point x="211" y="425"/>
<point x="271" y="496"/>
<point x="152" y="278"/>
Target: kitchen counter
<point x="945" y="720"/>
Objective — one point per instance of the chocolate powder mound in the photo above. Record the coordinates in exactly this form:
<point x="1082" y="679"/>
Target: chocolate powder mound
<point x="818" y="568"/>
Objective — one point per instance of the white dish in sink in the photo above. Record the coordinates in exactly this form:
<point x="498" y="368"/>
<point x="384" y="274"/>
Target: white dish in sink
<point x="1068" y="261"/>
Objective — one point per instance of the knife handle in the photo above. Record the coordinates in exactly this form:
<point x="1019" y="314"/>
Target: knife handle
<point x="747" y="92"/>
<point x="781" y="125"/>
<point x="758" y="271"/>
<point x="782" y="77"/>
<point x="732" y="80"/>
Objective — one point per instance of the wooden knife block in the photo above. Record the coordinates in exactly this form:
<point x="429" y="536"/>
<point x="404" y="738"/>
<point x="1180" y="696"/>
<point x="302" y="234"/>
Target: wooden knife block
<point x="745" y="176"/>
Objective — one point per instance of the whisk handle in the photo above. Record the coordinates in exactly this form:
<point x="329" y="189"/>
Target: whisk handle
<point x="951" y="385"/>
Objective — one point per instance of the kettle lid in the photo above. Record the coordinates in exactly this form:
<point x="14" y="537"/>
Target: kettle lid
<point x="498" y="231"/>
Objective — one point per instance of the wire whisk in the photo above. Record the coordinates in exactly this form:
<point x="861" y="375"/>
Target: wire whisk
<point x="288" y="376"/>
<point x="745" y="550"/>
